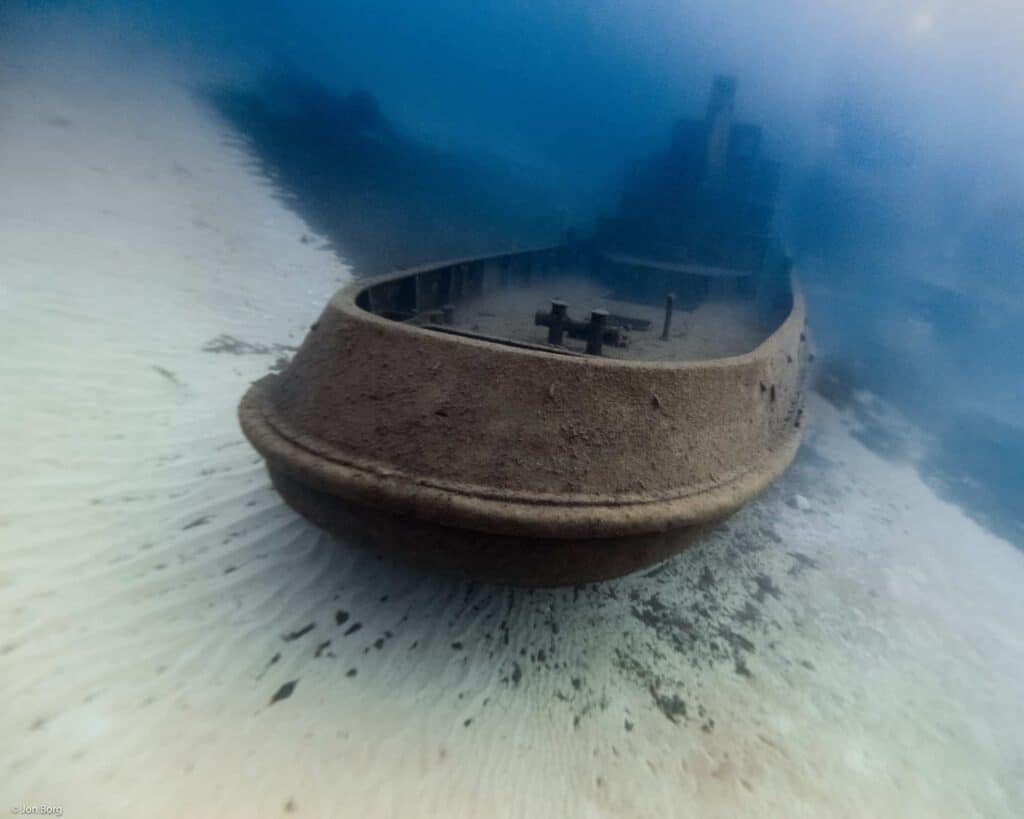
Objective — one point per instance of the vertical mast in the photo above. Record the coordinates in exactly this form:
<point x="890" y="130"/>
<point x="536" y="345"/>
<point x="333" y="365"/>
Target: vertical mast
<point x="719" y="125"/>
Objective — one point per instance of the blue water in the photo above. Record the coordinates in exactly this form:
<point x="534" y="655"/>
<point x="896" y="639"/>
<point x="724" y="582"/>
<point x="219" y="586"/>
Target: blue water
<point x="406" y="131"/>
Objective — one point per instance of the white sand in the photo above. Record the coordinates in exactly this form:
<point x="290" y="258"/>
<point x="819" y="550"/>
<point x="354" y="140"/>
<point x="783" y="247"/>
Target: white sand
<point x="150" y="575"/>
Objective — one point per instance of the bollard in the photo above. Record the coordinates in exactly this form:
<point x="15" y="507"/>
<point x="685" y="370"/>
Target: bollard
<point x="596" y="331"/>
<point x="670" y="301"/>
<point x="558" y="312"/>
<point x="595" y="338"/>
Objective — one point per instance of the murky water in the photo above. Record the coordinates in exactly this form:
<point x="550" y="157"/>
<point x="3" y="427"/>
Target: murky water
<point x="177" y="640"/>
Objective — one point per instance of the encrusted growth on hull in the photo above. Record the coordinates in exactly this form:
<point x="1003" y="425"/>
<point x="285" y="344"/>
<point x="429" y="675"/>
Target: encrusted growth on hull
<point x="588" y="396"/>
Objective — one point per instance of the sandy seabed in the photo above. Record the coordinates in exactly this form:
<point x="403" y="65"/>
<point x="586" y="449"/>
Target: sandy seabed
<point x="177" y="642"/>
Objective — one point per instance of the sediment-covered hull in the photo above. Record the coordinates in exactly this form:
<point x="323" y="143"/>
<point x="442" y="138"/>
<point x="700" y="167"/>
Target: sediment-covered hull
<point x="601" y="465"/>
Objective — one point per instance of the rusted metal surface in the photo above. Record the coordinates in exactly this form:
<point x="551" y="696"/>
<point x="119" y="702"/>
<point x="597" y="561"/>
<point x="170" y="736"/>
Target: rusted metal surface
<point x="670" y="302"/>
<point x="555" y="321"/>
<point x="596" y="332"/>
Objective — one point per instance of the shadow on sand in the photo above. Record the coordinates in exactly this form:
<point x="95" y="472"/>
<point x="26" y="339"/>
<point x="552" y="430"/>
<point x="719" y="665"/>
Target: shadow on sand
<point x="970" y="459"/>
<point x="384" y="198"/>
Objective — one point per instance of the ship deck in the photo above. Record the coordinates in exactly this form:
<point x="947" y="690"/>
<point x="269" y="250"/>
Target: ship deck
<point x="712" y="329"/>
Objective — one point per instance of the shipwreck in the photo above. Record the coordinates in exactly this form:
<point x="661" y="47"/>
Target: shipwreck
<point x="563" y="414"/>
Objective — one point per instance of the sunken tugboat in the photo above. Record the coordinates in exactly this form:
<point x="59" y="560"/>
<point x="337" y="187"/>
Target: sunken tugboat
<point x="565" y="414"/>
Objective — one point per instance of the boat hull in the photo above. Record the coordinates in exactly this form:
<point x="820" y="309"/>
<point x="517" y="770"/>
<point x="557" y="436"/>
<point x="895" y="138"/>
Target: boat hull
<point x="520" y="465"/>
<point x="480" y="556"/>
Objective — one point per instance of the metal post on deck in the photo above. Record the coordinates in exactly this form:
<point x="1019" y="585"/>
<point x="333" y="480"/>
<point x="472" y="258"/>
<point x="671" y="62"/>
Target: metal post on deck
<point x="598" y="320"/>
<point x="558" y="311"/>
<point x="670" y="301"/>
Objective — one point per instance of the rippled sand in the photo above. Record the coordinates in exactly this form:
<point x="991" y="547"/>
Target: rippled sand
<point x="177" y="642"/>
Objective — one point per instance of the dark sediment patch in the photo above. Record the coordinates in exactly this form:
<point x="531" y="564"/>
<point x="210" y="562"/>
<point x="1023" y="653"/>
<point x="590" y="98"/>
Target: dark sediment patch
<point x="663" y="634"/>
<point x="272" y="661"/>
<point x="295" y="635"/>
<point x="284" y="692"/>
<point x="321" y="648"/>
<point x="671" y="705"/>
<point x="197" y="522"/>
<point x="170" y="376"/>
<point x="229" y="344"/>
<point x="766" y="587"/>
<point x="801" y="563"/>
